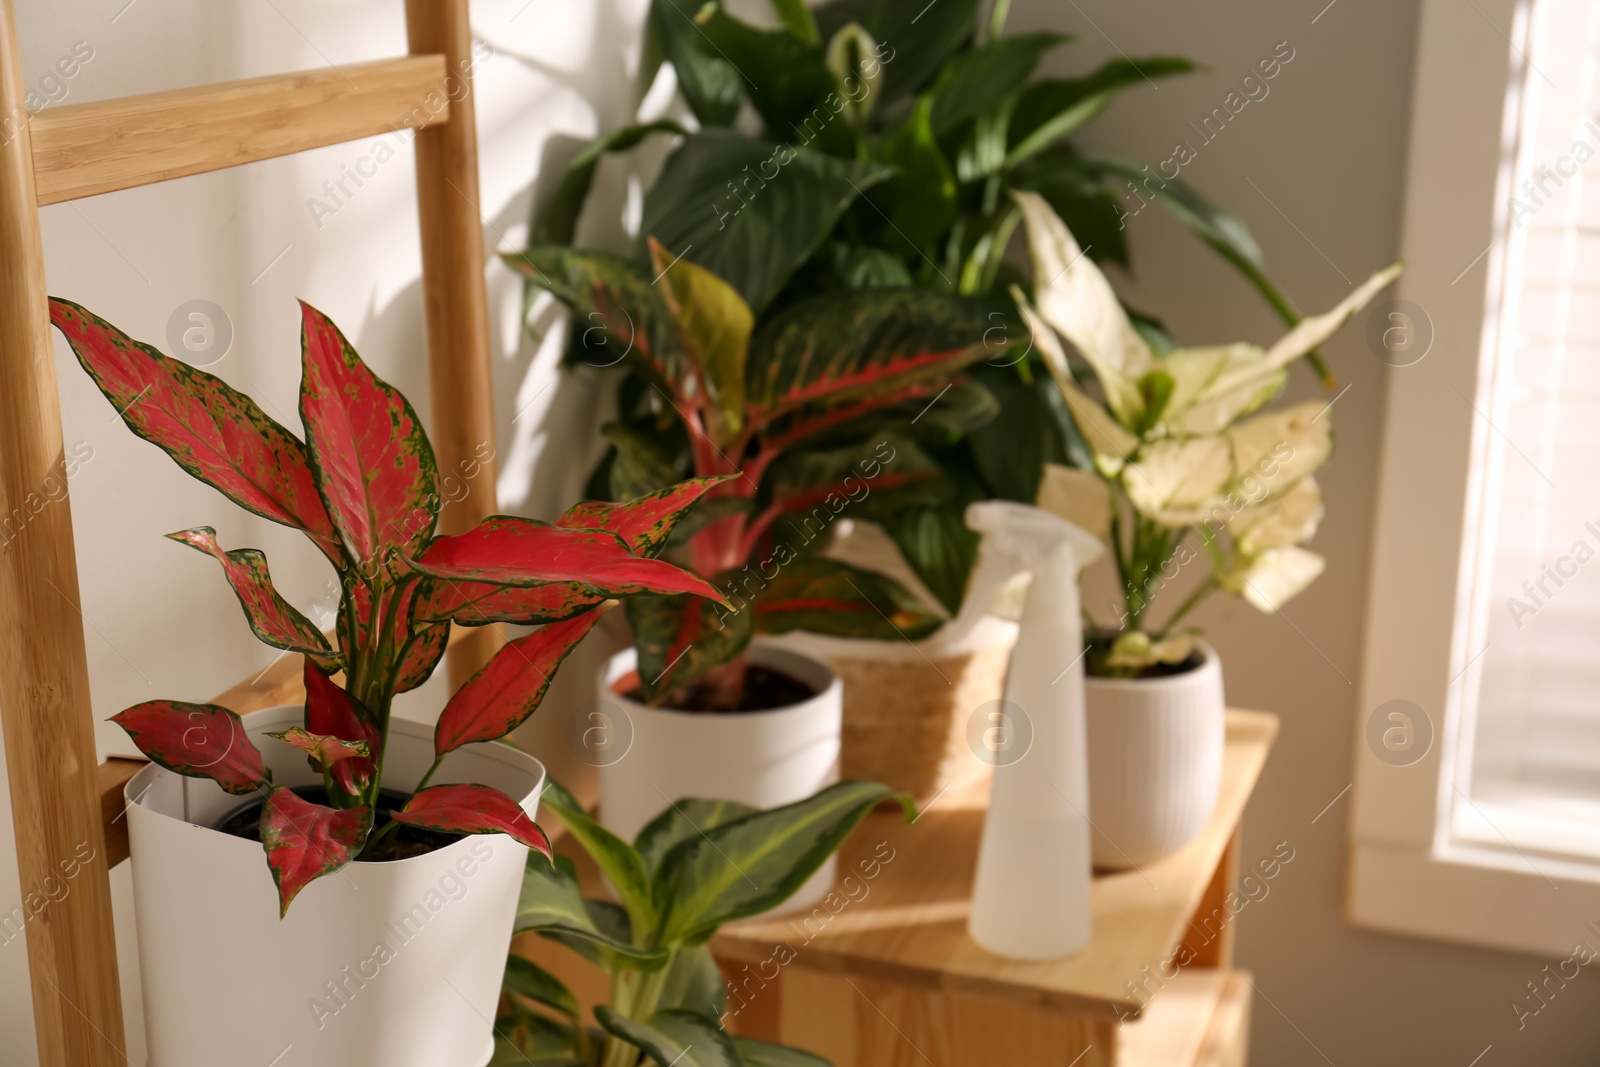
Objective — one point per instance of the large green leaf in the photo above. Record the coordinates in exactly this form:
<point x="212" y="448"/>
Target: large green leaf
<point x="685" y="818"/>
<point x="528" y="979"/>
<point x="751" y="211"/>
<point x="915" y="40"/>
<point x="921" y="199"/>
<point x="693" y="982"/>
<point x="711" y="85"/>
<point x="939" y="548"/>
<point x="674" y="1038"/>
<point x="788" y="78"/>
<point x="680" y="638"/>
<point x="763" y="1054"/>
<point x="555" y="224"/>
<point x="551" y="904"/>
<point x="824" y="596"/>
<point x="1050" y="109"/>
<point x="749" y="865"/>
<point x="616" y="858"/>
<point x="977" y="80"/>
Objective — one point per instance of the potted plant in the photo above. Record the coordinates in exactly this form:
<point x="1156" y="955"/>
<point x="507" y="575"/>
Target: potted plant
<point x="775" y="414"/>
<point x="1183" y="470"/>
<point x="394" y="960"/>
<point x="878" y="145"/>
<point x="696" y="865"/>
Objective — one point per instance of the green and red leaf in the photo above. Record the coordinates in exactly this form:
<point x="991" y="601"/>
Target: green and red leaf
<point x="714" y="325"/>
<point x="373" y="464"/>
<point x="480" y="603"/>
<point x="211" y="430"/>
<point x="505" y="550"/>
<point x="422" y="655"/>
<point x="332" y="712"/>
<point x="510" y="687"/>
<point x="472" y="809"/>
<point x="325" y="750"/>
<point x="196" y="741"/>
<point x="272" y="618"/>
<point x="680" y="638"/>
<point x="825" y="596"/>
<point x="305" y="841"/>
<point x="644" y="524"/>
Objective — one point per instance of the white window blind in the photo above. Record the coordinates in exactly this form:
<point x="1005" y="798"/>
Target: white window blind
<point x="1527" y="758"/>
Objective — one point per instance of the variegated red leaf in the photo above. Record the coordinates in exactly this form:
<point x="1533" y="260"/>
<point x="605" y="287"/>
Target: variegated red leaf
<point x="505" y="550"/>
<point x="272" y="618"/>
<point x="422" y="655"/>
<point x="372" y="460"/>
<point x="479" y="603"/>
<point x="305" y="841"/>
<point x="332" y="712"/>
<point x="508" y="689"/>
<point x="324" y="750"/>
<point x="472" y="809"/>
<point x="211" y="430"/>
<point x="680" y="638"/>
<point x="196" y="741"/>
<point x="643" y="524"/>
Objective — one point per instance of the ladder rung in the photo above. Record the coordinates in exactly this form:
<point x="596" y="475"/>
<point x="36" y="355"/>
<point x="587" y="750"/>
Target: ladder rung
<point x="86" y="149"/>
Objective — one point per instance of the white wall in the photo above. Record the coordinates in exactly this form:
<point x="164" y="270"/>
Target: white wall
<point x="160" y="620"/>
<point x="1316" y="169"/>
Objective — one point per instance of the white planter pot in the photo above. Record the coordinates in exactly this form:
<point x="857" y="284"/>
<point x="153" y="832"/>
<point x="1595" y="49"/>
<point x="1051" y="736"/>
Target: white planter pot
<point x="380" y="965"/>
<point x="761" y="758"/>
<point x="1155" y="761"/>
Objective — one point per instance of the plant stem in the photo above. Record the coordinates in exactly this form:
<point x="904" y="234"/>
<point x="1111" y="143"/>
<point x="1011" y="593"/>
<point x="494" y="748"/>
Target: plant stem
<point x="1203" y="590"/>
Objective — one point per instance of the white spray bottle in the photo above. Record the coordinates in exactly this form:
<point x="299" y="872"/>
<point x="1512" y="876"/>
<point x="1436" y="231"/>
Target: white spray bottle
<point x="1030" y="899"/>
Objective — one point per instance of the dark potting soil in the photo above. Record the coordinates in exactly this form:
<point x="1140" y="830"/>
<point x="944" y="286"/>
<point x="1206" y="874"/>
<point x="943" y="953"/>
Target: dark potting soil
<point x="764" y="689"/>
<point x="245" y="821"/>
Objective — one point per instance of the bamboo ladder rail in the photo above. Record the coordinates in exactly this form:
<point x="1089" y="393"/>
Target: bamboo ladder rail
<point x="61" y="797"/>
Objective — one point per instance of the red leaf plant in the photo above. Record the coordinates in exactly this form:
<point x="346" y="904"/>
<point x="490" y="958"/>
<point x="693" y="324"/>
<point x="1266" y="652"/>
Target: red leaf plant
<point x="364" y="487"/>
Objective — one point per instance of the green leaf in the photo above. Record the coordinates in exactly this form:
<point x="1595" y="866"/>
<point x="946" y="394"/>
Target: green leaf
<point x="555" y="224"/>
<point x="551" y="904"/>
<point x="922" y="197"/>
<point x="820" y="595"/>
<point x="528" y="979"/>
<point x="755" y="863"/>
<point x="526" y="1037"/>
<point x="790" y="83"/>
<point x="977" y="80"/>
<point x="640" y="467"/>
<point x="714" y="325"/>
<point x="674" y="1038"/>
<point x="749" y="210"/>
<point x="616" y="858"/>
<point x="680" y="638"/>
<point x="865" y="267"/>
<point x="797" y="19"/>
<point x="1050" y="109"/>
<point x="914" y="40"/>
<point x="712" y="86"/>
<point x="939" y="547"/>
<point x="685" y="818"/>
<point x="763" y="1054"/>
<point x="845" y="477"/>
<point x="1092" y="211"/>
<point x="693" y="982"/>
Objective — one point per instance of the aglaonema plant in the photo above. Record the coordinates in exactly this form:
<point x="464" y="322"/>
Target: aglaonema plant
<point x="696" y="866"/>
<point x="775" y="414"/>
<point x="363" y="486"/>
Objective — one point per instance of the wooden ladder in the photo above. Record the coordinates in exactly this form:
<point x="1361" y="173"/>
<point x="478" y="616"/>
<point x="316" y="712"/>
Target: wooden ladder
<point x="61" y="797"/>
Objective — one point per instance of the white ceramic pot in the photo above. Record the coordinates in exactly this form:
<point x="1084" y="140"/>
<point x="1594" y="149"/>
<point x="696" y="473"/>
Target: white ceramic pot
<point x="1155" y="760"/>
<point x="761" y="758"/>
<point x="379" y="965"/>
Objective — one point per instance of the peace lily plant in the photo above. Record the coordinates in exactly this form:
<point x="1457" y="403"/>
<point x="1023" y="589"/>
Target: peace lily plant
<point x="1178" y="450"/>
<point x="363" y="486"/>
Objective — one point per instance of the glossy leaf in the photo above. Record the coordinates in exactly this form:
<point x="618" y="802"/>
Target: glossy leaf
<point x="773" y="218"/>
<point x="939" y="547"/>
<point x="506" y="550"/>
<point x="787" y="78"/>
<point x="527" y="979"/>
<point x="305" y="841"/>
<point x="471" y="809"/>
<point x="617" y="860"/>
<point x="640" y="465"/>
<point x="373" y="463"/>
<point x="422" y="656"/>
<point x="510" y="687"/>
<point x="680" y="638"/>
<point x="694" y="982"/>
<point x="714" y="325"/>
<point x="645" y="524"/>
<point x="981" y="78"/>
<point x="551" y="905"/>
<point x="211" y="430"/>
<point x="273" y="619"/>
<point x="683" y="819"/>
<point x="196" y="741"/>
<point x="915" y="43"/>
<point x="1050" y="109"/>
<point x="333" y="712"/>
<point x="674" y="1038"/>
<point x="712" y="86"/>
<point x="921" y="199"/>
<point x="749" y="865"/>
<point x="479" y="603"/>
<point x="324" y="750"/>
<point x="825" y="596"/>
<point x="764" y="1054"/>
<point x="555" y="222"/>
<point x="844" y="347"/>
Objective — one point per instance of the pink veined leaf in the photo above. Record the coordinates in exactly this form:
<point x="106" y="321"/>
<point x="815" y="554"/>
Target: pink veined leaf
<point x="479" y="603"/>
<point x="323" y="749"/>
<point x="211" y="430"/>
<point x="272" y="618"/>
<point x="643" y="524"/>
<point x="332" y="712"/>
<point x="509" y="688"/>
<point x="372" y="461"/>
<point x="196" y="741"/>
<point x="472" y="809"/>
<point x="505" y="550"/>
<point x="305" y="841"/>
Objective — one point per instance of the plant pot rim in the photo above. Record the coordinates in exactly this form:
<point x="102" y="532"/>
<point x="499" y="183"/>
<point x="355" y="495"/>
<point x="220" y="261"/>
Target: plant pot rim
<point x="139" y="785"/>
<point x="622" y="665"/>
<point x="1209" y="661"/>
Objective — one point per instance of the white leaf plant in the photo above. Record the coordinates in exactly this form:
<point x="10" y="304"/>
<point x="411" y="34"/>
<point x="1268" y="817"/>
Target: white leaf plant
<point x="1179" y="450"/>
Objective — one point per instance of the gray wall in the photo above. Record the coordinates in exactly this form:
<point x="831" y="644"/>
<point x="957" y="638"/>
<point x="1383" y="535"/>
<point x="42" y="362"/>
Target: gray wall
<point x="1317" y="169"/>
